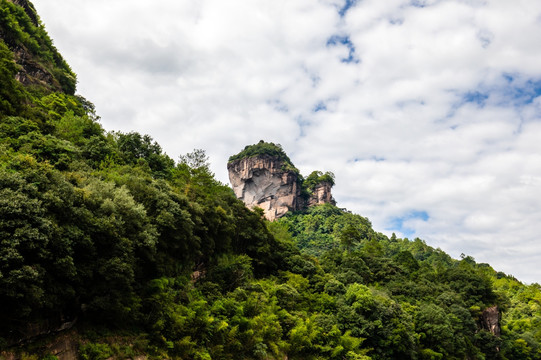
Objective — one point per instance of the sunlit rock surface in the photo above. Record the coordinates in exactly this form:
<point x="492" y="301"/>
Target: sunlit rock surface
<point x="262" y="181"/>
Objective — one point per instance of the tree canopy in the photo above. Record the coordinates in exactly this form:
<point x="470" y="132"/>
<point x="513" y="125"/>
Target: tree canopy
<point x="269" y="149"/>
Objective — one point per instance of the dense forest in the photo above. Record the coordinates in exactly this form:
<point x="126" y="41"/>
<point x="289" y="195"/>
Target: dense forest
<point x="106" y="239"/>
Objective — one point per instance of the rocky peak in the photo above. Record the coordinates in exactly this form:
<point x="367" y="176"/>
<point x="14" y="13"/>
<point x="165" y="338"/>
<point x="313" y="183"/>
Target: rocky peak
<point x="262" y="181"/>
<point x="263" y="176"/>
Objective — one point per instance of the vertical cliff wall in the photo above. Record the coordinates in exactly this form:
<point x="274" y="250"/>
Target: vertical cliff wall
<point x="262" y="181"/>
<point x="262" y="175"/>
<point x="321" y="195"/>
<point x="490" y="320"/>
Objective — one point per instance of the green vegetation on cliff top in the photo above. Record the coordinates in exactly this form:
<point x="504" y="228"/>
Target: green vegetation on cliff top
<point x="148" y="256"/>
<point x="275" y="151"/>
<point x="317" y="177"/>
<point x="263" y="149"/>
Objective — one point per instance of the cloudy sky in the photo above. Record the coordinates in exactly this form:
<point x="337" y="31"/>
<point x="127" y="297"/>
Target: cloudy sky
<point x="428" y="112"/>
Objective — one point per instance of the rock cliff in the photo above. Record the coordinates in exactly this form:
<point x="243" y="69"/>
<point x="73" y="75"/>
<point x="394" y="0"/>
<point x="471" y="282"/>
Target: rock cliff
<point x="490" y="320"/>
<point x="321" y="194"/>
<point x="263" y="176"/>
<point x="261" y="181"/>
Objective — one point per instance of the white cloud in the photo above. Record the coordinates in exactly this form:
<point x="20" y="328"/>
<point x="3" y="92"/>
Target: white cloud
<point x="429" y="115"/>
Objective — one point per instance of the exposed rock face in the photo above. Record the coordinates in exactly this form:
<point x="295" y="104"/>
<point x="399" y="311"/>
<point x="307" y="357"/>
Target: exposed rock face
<point x="32" y="73"/>
<point x="35" y="69"/>
<point x="321" y="195"/>
<point x="65" y="346"/>
<point x="490" y="320"/>
<point x="261" y="181"/>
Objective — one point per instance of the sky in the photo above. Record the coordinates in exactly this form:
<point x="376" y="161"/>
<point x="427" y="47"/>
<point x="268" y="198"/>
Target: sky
<point x="428" y="112"/>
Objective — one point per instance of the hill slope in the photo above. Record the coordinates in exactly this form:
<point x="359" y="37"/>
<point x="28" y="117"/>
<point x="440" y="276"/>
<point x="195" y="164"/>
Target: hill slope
<point x="108" y="244"/>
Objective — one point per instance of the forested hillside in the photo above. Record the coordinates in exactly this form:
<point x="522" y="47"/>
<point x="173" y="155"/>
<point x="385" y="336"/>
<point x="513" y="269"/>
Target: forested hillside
<point x="106" y="240"/>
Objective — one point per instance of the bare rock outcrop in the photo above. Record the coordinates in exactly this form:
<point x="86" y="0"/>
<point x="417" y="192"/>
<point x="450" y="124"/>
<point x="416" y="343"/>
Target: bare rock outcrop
<point x="321" y="195"/>
<point x="490" y="320"/>
<point x="263" y="181"/>
<point x="262" y="175"/>
<point x="32" y="73"/>
<point x="65" y="346"/>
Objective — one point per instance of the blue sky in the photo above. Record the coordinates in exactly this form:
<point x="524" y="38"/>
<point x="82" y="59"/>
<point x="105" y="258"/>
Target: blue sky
<point x="405" y="224"/>
<point x="428" y="112"/>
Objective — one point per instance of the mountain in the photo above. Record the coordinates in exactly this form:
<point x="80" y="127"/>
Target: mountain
<point x="109" y="249"/>
<point x="262" y="175"/>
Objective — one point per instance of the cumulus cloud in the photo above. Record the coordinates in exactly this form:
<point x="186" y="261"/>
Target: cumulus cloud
<point x="427" y="111"/>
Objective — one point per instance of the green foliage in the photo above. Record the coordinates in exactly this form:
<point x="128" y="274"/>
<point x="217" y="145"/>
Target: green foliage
<point x="325" y="227"/>
<point x="93" y="351"/>
<point x="263" y="148"/>
<point x="107" y="229"/>
<point x="317" y="177"/>
<point x="24" y="233"/>
<point x="21" y="30"/>
<point x="438" y="300"/>
<point x="141" y="150"/>
<point x="349" y="236"/>
<point x="12" y="93"/>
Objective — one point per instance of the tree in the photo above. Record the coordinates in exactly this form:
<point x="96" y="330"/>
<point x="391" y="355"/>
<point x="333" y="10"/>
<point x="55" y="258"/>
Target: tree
<point x="434" y="326"/>
<point x="140" y="149"/>
<point x="196" y="160"/>
<point x="12" y="94"/>
<point x="349" y="236"/>
<point x="317" y="177"/>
